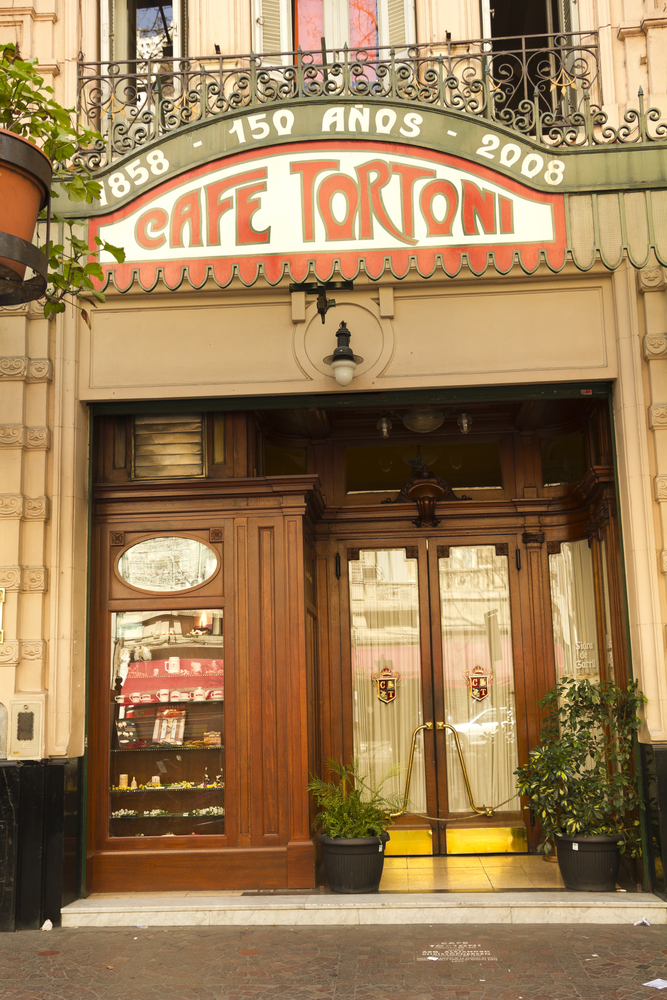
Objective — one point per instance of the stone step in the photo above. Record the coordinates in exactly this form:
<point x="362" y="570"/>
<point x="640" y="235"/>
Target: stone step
<point x="561" y="907"/>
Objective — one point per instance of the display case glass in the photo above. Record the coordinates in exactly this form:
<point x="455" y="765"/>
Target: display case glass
<point x="167" y="735"/>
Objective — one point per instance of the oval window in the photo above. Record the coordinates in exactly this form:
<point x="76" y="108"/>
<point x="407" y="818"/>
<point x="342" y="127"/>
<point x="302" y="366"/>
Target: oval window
<point x="169" y="563"/>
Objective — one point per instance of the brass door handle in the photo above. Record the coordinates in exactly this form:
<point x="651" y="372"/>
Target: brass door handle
<point x="485" y="810"/>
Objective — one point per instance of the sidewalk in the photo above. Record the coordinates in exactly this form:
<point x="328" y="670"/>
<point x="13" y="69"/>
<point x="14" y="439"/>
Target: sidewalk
<point x="335" y="963"/>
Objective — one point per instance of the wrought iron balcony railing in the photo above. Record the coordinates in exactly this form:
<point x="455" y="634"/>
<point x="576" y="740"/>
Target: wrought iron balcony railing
<point x="546" y="87"/>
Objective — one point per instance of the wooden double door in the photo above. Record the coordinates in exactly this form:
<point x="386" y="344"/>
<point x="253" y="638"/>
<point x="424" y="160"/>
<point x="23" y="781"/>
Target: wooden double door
<point x="442" y="635"/>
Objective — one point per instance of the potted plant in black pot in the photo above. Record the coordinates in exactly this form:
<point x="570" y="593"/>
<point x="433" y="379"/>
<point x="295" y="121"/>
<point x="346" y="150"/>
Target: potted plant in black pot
<point x="353" y="819"/>
<point x="580" y="781"/>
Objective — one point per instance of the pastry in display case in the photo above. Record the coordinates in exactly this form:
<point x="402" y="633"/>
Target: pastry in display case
<point x="167" y="739"/>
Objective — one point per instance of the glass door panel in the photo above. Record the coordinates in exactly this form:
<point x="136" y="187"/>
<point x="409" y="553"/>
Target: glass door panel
<point x="478" y="675"/>
<point x="386" y="667"/>
<point x="573" y="612"/>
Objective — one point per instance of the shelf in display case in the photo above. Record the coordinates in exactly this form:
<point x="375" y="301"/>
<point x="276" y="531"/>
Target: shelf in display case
<point x="166" y="746"/>
<point x="115" y="789"/>
<point x="193" y="814"/>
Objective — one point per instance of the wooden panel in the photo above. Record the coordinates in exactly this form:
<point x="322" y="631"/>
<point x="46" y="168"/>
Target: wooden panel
<point x="241" y="658"/>
<point x="183" y="869"/>
<point x="301" y="864"/>
<point x="297" y="730"/>
<point x="265" y="672"/>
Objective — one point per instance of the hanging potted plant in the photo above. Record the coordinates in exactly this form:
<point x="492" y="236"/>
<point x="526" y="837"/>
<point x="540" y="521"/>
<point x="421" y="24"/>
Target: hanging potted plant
<point x="579" y="780"/>
<point x="39" y="144"/>
<point x="353" y="820"/>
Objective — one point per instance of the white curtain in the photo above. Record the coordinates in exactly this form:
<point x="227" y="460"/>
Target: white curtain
<point x="384" y="604"/>
<point x="477" y="657"/>
<point x="573" y="612"/>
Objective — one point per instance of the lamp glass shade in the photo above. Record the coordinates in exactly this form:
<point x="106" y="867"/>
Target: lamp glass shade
<point x="343" y="370"/>
<point x="423" y="420"/>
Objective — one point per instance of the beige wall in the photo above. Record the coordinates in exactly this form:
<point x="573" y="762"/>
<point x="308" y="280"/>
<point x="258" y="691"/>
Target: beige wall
<point x="238" y="342"/>
<point x="262" y="341"/>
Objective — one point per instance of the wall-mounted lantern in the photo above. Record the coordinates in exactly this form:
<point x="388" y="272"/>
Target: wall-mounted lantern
<point x="343" y="361"/>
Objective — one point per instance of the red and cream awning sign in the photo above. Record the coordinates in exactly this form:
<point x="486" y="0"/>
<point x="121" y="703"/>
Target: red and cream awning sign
<point x="321" y="208"/>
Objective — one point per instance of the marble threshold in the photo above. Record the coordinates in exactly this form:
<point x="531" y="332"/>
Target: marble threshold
<point x="234" y="910"/>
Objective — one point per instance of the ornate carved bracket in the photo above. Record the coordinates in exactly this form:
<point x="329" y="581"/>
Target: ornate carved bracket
<point x="425" y="489"/>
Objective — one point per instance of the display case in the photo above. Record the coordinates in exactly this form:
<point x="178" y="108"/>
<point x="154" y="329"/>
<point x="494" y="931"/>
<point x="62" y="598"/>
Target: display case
<point x="167" y="775"/>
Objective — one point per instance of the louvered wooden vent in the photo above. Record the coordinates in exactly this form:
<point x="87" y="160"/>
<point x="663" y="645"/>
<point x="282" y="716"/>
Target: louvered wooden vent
<point x="168" y="446"/>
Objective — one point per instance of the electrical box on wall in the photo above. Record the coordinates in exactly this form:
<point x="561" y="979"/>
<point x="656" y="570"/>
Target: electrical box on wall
<point x="25" y="731"/>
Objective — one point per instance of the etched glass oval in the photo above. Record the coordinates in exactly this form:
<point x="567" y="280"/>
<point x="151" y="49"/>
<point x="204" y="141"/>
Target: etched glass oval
<point x="169" y="564"/>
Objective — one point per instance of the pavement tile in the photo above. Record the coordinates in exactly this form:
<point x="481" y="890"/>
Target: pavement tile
<point x="474" y="962"/>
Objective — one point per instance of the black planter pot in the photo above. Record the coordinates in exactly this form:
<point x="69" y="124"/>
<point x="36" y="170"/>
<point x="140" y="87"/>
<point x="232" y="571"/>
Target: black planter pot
<point x="353" y="864"/>
<point x="589" y="864"/>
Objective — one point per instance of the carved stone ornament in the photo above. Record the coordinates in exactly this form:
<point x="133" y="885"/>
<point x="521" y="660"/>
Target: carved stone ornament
<point x="13" y="368"/>
<point x="353" y="555"/>
<point x="40" y="370"/>
<point x="25" y="369"/>
<point x="36" y="509"/>
<point x="20" y="436"/>
<point x="411" y="552"/>
<point x="657" y="416"/>
<point x="553" y="548"/>
<point x="651" y="279"/>
<point x="10" y="577"/>
<point x="33" y="650"/>
<point x="12" y="435"/>
<point x="660" y="488"/>
<point x="38" y="438"/>
<point x="502" y="548"/>
<point x="34" y="579"/>
<point x="9" y="653"/>
<point x="533" y="538"/>
<point x="11" y="505"/>
<point x="117" y="537"/>
<point x="442" y="551"/>
<point x="655" y="346"/>
<point x="215" y="534"/>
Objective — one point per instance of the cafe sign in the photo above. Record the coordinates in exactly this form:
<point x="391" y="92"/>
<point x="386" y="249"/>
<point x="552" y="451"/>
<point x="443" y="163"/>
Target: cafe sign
<point x="316" y="209"/>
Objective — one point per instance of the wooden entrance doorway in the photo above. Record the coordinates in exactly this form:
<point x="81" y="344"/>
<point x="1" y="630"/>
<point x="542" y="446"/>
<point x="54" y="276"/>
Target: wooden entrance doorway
<point x="436" y="648"/>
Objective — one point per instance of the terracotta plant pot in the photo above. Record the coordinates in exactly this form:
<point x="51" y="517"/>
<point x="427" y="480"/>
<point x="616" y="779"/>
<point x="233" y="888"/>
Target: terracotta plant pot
<point x="25" y="182"/>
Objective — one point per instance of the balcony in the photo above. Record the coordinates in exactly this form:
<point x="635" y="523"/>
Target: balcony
<point x="544" y="87"/>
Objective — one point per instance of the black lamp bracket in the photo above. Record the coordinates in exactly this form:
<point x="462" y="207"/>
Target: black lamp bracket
<point x="314" y="288"/>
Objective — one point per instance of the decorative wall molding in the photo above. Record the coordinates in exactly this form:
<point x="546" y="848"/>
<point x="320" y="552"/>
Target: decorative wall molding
<point x="533" y="538"/>
<point x="12" y="436"/>
<point x="660" y="488"/>
<point x="657" y="415"/>
<point x="40" y="370"/>
<point x="9" y="653"/>
<point x="34" y="579"/>
<point x="651" y="279"/>
<point x="11" y="504"/>
<point x="22" y="369"/>
<point x="655" y="346"/>
<point x="10" y="577"/>
<point x="36" y="509"/>
<point x="25" y="508"/>
<point x="33" y="649"/>
<point x="38" y="438"/>
<point x="28" y="579"/>
<point x="20" y="436"/>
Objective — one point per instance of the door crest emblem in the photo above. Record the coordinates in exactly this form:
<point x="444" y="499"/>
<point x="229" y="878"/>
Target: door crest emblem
<point x="386" y="681"/>
<point x="479" y="680"/>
